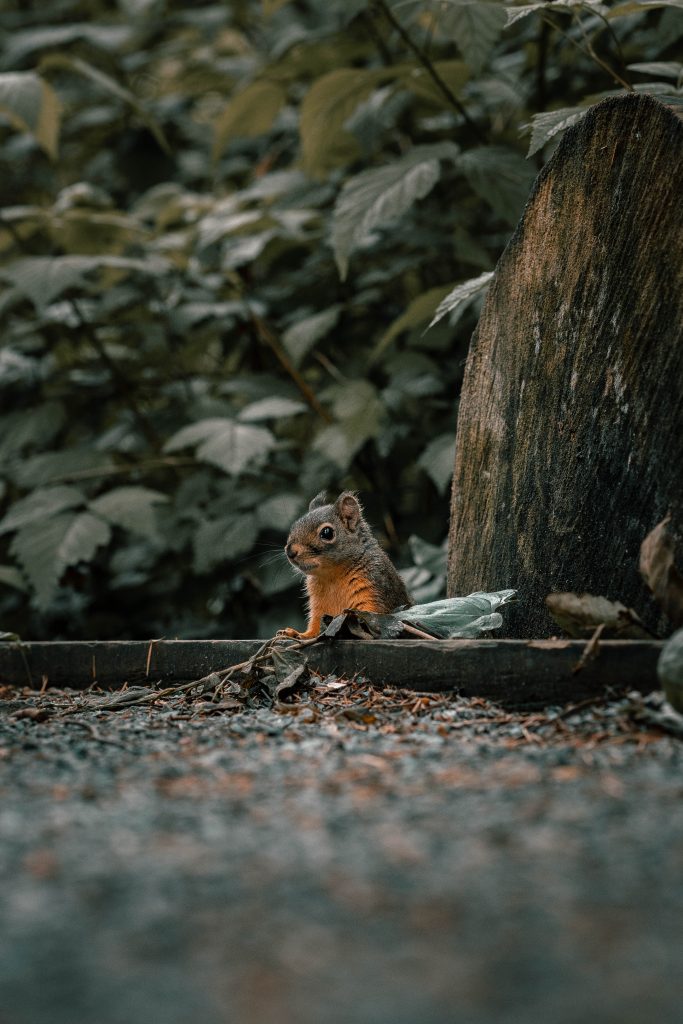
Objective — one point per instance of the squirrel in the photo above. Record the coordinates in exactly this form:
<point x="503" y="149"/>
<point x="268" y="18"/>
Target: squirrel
<point x="345" y="568"/>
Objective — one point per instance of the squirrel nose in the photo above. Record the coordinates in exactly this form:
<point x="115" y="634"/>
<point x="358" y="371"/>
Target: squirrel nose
<point x="292" y="551"/>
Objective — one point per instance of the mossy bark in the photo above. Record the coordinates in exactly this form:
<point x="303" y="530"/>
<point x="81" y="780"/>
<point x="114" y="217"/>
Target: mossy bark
<point x="570" y="429"/>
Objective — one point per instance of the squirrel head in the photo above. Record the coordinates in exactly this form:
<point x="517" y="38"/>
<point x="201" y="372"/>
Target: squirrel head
<point x="328" y="535"/>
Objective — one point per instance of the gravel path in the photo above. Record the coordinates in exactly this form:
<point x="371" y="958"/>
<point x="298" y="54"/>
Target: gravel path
<point x="352" y="857"/>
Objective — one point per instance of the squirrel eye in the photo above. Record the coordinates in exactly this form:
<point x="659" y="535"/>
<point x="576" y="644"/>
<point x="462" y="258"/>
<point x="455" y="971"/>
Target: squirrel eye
<point x="327" y="533"/>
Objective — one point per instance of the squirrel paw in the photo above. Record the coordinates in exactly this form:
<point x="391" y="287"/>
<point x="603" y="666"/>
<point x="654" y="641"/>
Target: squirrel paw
<point x="289" y="632"/>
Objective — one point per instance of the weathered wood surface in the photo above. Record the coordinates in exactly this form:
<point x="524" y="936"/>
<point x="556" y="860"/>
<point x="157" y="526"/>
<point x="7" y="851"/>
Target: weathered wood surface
<point x="570" y="429"/>
<point x="510" y="671"/>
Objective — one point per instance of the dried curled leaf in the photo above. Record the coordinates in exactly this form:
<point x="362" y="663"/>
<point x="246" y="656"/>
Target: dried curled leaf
<point x="580" y="615"/>
<point x="658" y="569"/>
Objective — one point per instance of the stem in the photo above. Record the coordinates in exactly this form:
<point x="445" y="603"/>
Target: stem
<point x="588" y="50"/>
<point x="265" y="335"/>
<point x="541" y="80"/>
<point x="598" y="60"/>
<point x="124" y="385"/>
<point x="426" y="63"/>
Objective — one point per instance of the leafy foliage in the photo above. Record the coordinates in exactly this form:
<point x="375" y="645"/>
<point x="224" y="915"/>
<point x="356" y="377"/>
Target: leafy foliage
<point x="243" y="247"/>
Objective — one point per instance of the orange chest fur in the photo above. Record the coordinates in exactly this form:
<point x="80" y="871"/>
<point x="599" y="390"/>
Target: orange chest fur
<point x="337" y="591"/>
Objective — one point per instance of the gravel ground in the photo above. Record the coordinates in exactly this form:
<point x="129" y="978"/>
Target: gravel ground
<point x="351" y="856"/>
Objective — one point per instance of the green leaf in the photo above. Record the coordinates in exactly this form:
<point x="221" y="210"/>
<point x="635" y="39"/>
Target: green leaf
<point x="63" y="62"/>
<point x="384" y="194"/>
<point x="564" y="6"/>
<point x="279" y="512"/>
<point x="475" y="26"/>
<point x="457" y="300"/>
<point x="251" y="112"/>
<point x="11" y="577"/>
<point x="270" y="409"/>
<point x="453" y="73"/>
<point x="501" y="177"/>
<point x="223" y="540"/>
<point x="222" y="442"/>
<point x="360" y="413"/>
<point x="328" y="104"/>
<point x="53" y="467"/>
<point x="45" y="549"/>
<point x="27" y="428"/>
<point x="662" y="68"/>
<point x="41" y="505"/>
<point x="637" y="6"/>
<point x="300" y="338"/>
<point x="438" y="460"/>
<point x="31" y="106"/>
<point x="550" y="123"/>
<point x="44" y="278"/>
<point x="419" y="312"/>
<point x="130" y="507"/>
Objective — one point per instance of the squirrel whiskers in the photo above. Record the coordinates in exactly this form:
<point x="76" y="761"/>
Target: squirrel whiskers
<point x="344" y="565"/>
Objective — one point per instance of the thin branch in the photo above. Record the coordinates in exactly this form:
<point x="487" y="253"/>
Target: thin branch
<point x="124" y="385"/>
<point x="428" y="66"/>
<point x="598" y="60"/>
<point x="587" y="50"/>
<point x="265" y="335"/>
<point x="170" y="462"/>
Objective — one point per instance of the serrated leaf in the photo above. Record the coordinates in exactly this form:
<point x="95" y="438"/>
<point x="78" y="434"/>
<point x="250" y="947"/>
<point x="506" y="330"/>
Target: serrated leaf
<point x="130" y="507"/>
<point x="500" y="176"/>
<point x="32" y="106"/>
<point x="300" y="338"/>
<point x="223" y="540"/>
<point x="547" y="125"/>
<point x="567" y="6"/>
<point x="251" y="112"/>
<point x="330" y="101"/>
<point x="45" y="549"/>
<point x="475" y="26"/>
<point x="418" y="312"/>
<point x="231" y="446"/>
<point x="41" y="505"/>
<point x="270" y="409"/>
<point x="457" y="300"/>
<point x="44" y="278"/>
<point x="86" y="533"/>
<point x="438" y="460"/>
<point x="384" y="194"/>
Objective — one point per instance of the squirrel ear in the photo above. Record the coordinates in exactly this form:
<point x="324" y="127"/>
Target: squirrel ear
<point x="348" y="509"/>
<point x="319" y="500"/>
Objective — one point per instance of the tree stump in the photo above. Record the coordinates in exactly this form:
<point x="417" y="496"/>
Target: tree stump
<point x="570" y="429"/>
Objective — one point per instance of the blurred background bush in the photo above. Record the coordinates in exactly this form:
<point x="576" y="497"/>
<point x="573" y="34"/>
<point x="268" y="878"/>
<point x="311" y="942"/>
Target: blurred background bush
<point x="225" y="229"/>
